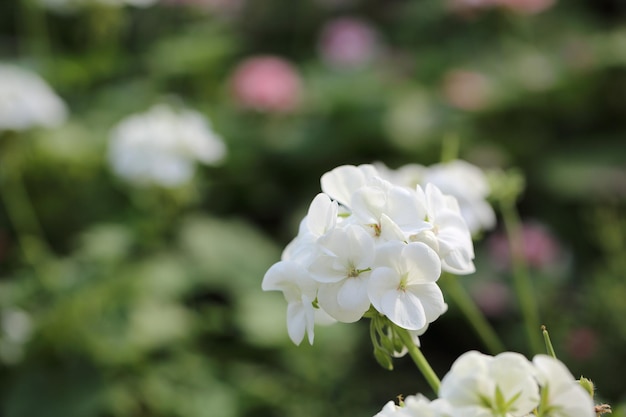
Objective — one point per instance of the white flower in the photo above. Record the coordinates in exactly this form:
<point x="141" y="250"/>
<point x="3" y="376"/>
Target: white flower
<point x="561" y="394"/>
<point x="343" y="181"/>
<point x="161" y="146"/>
<point x="403" y="286"/>
<point x="300" y="290"/>
<point x="26" y="101"/>
<point x="343" y="268"/>
<point x="449" y="235"/>
<point x="391" y="212"/>
<point x="468" y="184"/>
<point x="417" y="406"/>
<point x="483" y="385"/>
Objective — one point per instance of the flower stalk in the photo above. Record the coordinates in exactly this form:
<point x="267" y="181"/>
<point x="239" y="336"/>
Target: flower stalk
<point x="521" y="276"/>
<point x="475" y="317"/>
<point x="419" y="359"/>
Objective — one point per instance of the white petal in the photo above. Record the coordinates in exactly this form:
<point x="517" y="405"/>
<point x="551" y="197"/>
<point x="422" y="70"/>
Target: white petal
<point x="322" y="215"/>
<point x="423" y="263"/>
<point x="343" y="181"/>
<point x="431" y="299"/>
<point x="404" y="309"/>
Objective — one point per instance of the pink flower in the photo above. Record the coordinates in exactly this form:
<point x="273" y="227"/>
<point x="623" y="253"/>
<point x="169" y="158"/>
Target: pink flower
<point x="348" y="42"/>
<point x="524" y="7"/>
<point x="492" y="297"/>
<point x="540" y="247"/>
<point x="267" y="83"/>
<point x="582" y="343"/>
<point x="466" y="90"/>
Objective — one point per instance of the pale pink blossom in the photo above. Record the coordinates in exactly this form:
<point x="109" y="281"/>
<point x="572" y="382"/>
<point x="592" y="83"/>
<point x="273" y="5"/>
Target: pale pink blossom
<point x="540" y="248"/>
<point x="582" y="343"/>
<point x="466" y="90"/>
<point x="492" y="297"/>
<point x="267" y="83"/>
<point x="348" y="42"/>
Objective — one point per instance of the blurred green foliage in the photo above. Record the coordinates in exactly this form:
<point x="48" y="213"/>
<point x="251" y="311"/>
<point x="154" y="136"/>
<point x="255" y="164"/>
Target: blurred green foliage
<point x="118" y="300"/>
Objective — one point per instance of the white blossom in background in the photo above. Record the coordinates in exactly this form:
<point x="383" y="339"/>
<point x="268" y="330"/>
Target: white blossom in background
<point x="367" y="242"/>
<point x="162" y="146"/>
<point x="505" y="385"/>
<point x="468" y="184"/>
<point x="460" y="179"/>
<point x="26" y="101"/>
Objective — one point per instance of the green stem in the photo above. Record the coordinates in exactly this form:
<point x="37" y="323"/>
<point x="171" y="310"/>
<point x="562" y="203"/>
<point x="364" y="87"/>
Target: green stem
<point x="34" y="30"/>
<point x="476" y="318"/>
<point x="521" y="276"/>
<point x="546" y="339"/>
<point x="419" y="359"/>
<point x="21" y="215"/>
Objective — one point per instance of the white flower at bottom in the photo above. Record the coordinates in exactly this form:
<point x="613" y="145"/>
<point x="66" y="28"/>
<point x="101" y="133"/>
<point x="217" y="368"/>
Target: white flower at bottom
<point x="300" y="291"/>
<point x="403" y="285"/>
<point x="561" y="394"/>
<point x="491" y="386"/>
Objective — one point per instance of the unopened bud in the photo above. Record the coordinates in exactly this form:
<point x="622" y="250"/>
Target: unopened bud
<point x="587" y="385"/>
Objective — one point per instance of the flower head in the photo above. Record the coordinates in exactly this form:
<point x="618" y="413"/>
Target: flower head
<point x="348" y="42"/>
<point x="26" y="101"/>
<point x="267" y="83"/>
<point x="161" y="146"/>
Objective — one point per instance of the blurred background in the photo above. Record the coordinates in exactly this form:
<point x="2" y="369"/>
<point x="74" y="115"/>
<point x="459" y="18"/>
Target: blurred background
<point x="131" y="265"/>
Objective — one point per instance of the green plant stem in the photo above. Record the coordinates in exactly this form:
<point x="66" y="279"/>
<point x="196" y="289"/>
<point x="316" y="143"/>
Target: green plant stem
<point x="476" y="318"/>
<point x="521" y="277"/>
<point x="419" y="359"/>
<point x="34" y="30"/>
<point x="546" y="339"/>
<point x="22" y="217"/>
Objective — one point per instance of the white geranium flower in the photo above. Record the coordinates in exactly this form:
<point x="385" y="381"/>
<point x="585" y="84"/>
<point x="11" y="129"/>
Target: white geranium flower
<point x="320" y="219"/>
<point x="449" y="235"/>
<point x="390" y="212"/>
<point x="161" y="146"/>
<point x="417" y="406"/>
<point x="483" y="385"/>
<point x="468" y="184"/>
<point x="403" y="285"/>
<point x="26" y="101"/>
<point x="561" y="394"/>
<point x="343" y="268"/>
<point x="300" y="290"/>
<point x="343" y="181"/>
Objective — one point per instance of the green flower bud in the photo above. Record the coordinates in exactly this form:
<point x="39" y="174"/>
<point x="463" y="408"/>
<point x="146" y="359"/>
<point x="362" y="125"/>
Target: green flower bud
<point x="587" y="385"/>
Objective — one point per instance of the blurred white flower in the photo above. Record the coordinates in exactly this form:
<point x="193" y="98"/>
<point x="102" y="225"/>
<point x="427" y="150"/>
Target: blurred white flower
<point x="162" y="145"/>
<point x="491" y="386"/>
<point x="468" y="184"/>
<point x="26" y="101"/>
<point x="561" y="394"/>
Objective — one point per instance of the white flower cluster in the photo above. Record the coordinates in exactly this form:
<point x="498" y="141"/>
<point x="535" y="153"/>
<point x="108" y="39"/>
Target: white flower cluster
<point x="26" y="101"/>
<point x="506" y="385"/>
<point x="365" y="242"/>
<point x="161" y="146"/>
